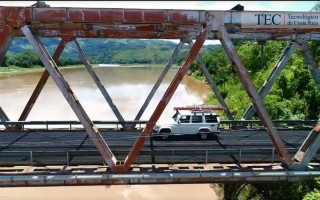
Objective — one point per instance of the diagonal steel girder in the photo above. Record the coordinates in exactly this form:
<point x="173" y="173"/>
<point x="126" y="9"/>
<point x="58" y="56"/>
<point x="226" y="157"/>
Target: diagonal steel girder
<point x="98" y="83"/>
<point x="254" y="96"/>
<point x="71" y="98"/>
<point x="5" y="42"/>
<point x="267" y="85"/>
<point x="212" y="84"/>
<point x="41" y="83"/>
<point x="124" y="167"/>
<point x="3" y="116"/>
<point x="308" y="149"/>
<point x="160" y="79"/>
<point x="310" y="61"/>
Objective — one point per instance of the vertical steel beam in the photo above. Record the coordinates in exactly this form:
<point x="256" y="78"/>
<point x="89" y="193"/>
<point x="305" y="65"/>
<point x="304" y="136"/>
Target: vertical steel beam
<point x="163" y="103"/>
<point x="309" y="147"/>
<point x="45" y="75"/>
<point x="98" y="83"/>
<point x="272" y="77"/>
<point x="310" y="61"/>
<point x="71" y="98"/>
<point x="5" y="41"/>
<point x="254" y="96"/>
<point x="213" y="84"/>
<point x="160" y="79"/>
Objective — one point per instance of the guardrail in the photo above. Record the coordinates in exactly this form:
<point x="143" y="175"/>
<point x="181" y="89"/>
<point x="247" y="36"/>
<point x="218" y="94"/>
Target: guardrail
<point x="69" y="124"/>
<point x="39" y="158"/>
<point x="231" y="124"/>
<point x="278" y="123"/>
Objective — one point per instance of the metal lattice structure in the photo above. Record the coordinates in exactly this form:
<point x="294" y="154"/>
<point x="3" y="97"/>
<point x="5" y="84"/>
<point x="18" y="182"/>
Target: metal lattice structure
<point x="186" y="25"/>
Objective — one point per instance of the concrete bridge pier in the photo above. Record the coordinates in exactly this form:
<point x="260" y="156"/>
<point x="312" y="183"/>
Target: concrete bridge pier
<point x="227" y="191"/>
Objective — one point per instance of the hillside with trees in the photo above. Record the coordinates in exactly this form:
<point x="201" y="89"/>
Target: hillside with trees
<point x="99" y="51"/>
<point x="292" y="97"/>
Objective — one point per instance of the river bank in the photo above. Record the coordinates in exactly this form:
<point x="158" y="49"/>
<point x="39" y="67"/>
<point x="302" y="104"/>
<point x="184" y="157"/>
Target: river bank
<point x="13" y="70"/>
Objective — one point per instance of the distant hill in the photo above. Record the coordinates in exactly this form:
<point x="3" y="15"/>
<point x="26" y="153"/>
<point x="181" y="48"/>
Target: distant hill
<point x="119" y="51"/>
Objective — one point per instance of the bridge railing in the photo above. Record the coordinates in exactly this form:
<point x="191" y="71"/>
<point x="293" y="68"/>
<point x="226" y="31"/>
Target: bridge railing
<point x="230" y="124"/>
<point x="258" y="124"/>
<point x="69" y="125"/>
<point x="173" y="156"/>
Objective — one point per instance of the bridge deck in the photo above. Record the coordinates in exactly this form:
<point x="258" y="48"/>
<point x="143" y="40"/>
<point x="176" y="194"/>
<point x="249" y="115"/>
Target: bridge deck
<point x="52" y="147"/>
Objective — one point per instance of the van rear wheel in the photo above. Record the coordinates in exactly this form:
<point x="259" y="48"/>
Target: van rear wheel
<point x="203" y="134"/>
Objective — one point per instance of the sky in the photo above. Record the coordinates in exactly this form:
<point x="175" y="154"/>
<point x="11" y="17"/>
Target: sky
<point x="190" y="5"/>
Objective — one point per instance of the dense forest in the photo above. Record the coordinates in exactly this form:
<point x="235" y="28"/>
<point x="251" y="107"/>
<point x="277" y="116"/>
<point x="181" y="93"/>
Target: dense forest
<point x="292" y="97"/>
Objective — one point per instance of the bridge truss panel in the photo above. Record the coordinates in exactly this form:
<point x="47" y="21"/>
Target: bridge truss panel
<point x="71" y="23"/>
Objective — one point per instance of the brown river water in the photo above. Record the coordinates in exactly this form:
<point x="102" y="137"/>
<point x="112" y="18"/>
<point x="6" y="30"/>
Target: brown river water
<point x="128" y="88"/>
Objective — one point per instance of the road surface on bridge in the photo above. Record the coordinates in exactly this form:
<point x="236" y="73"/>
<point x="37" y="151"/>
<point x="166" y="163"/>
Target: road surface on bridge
<point x="177" y="149"/>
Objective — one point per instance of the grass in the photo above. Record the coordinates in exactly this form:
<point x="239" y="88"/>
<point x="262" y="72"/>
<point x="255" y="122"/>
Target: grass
<point x="9" y="71"/>
<point x="13" y="70"/>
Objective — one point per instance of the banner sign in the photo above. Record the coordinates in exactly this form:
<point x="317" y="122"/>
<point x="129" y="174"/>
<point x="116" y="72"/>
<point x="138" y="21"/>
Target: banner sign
<point x="280" y="19"/>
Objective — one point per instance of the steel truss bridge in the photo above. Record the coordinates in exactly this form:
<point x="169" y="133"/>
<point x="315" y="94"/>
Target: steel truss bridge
<point x="69" y="24"/>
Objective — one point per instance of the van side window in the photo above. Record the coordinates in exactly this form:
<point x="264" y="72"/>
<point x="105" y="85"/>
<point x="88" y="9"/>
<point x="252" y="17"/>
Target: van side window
<point x="197" y="119"/>
<point x="185" y="119"/>
<point x="211" y="118"/>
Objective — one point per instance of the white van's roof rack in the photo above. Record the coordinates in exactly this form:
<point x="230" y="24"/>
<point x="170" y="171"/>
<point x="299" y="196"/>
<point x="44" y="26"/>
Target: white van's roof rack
<point x="199" y="108"/>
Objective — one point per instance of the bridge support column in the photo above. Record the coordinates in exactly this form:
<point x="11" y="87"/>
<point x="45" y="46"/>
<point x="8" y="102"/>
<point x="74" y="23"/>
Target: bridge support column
<point x="253" y="94"/>
<point x="212" y="84"/>
<point x="272" y="78"/>
<point x="124" y="167"/>
<point x="99" y="84"/>
<point x="230" y="191"/>
<point x="5" y="42"/>
<point x="227" y="191"/>
<point x="71" y="98"/>
<point x="159" y="81"/>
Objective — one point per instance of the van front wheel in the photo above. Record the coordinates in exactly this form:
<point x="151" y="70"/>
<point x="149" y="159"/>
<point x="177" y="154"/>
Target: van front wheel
<point x="164" y="134"/>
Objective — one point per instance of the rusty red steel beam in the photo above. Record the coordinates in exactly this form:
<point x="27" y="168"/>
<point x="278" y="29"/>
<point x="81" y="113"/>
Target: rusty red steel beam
<point x="124" y="167"/>
<point x="103" y="15"/>
<point x="254" y="96"/>
<point x="110" y="34"/>
<point x="134" y="23"/>
<point x="41" y="83"/>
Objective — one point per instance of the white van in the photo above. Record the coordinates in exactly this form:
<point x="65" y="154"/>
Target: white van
<point x="199" y="120"/>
